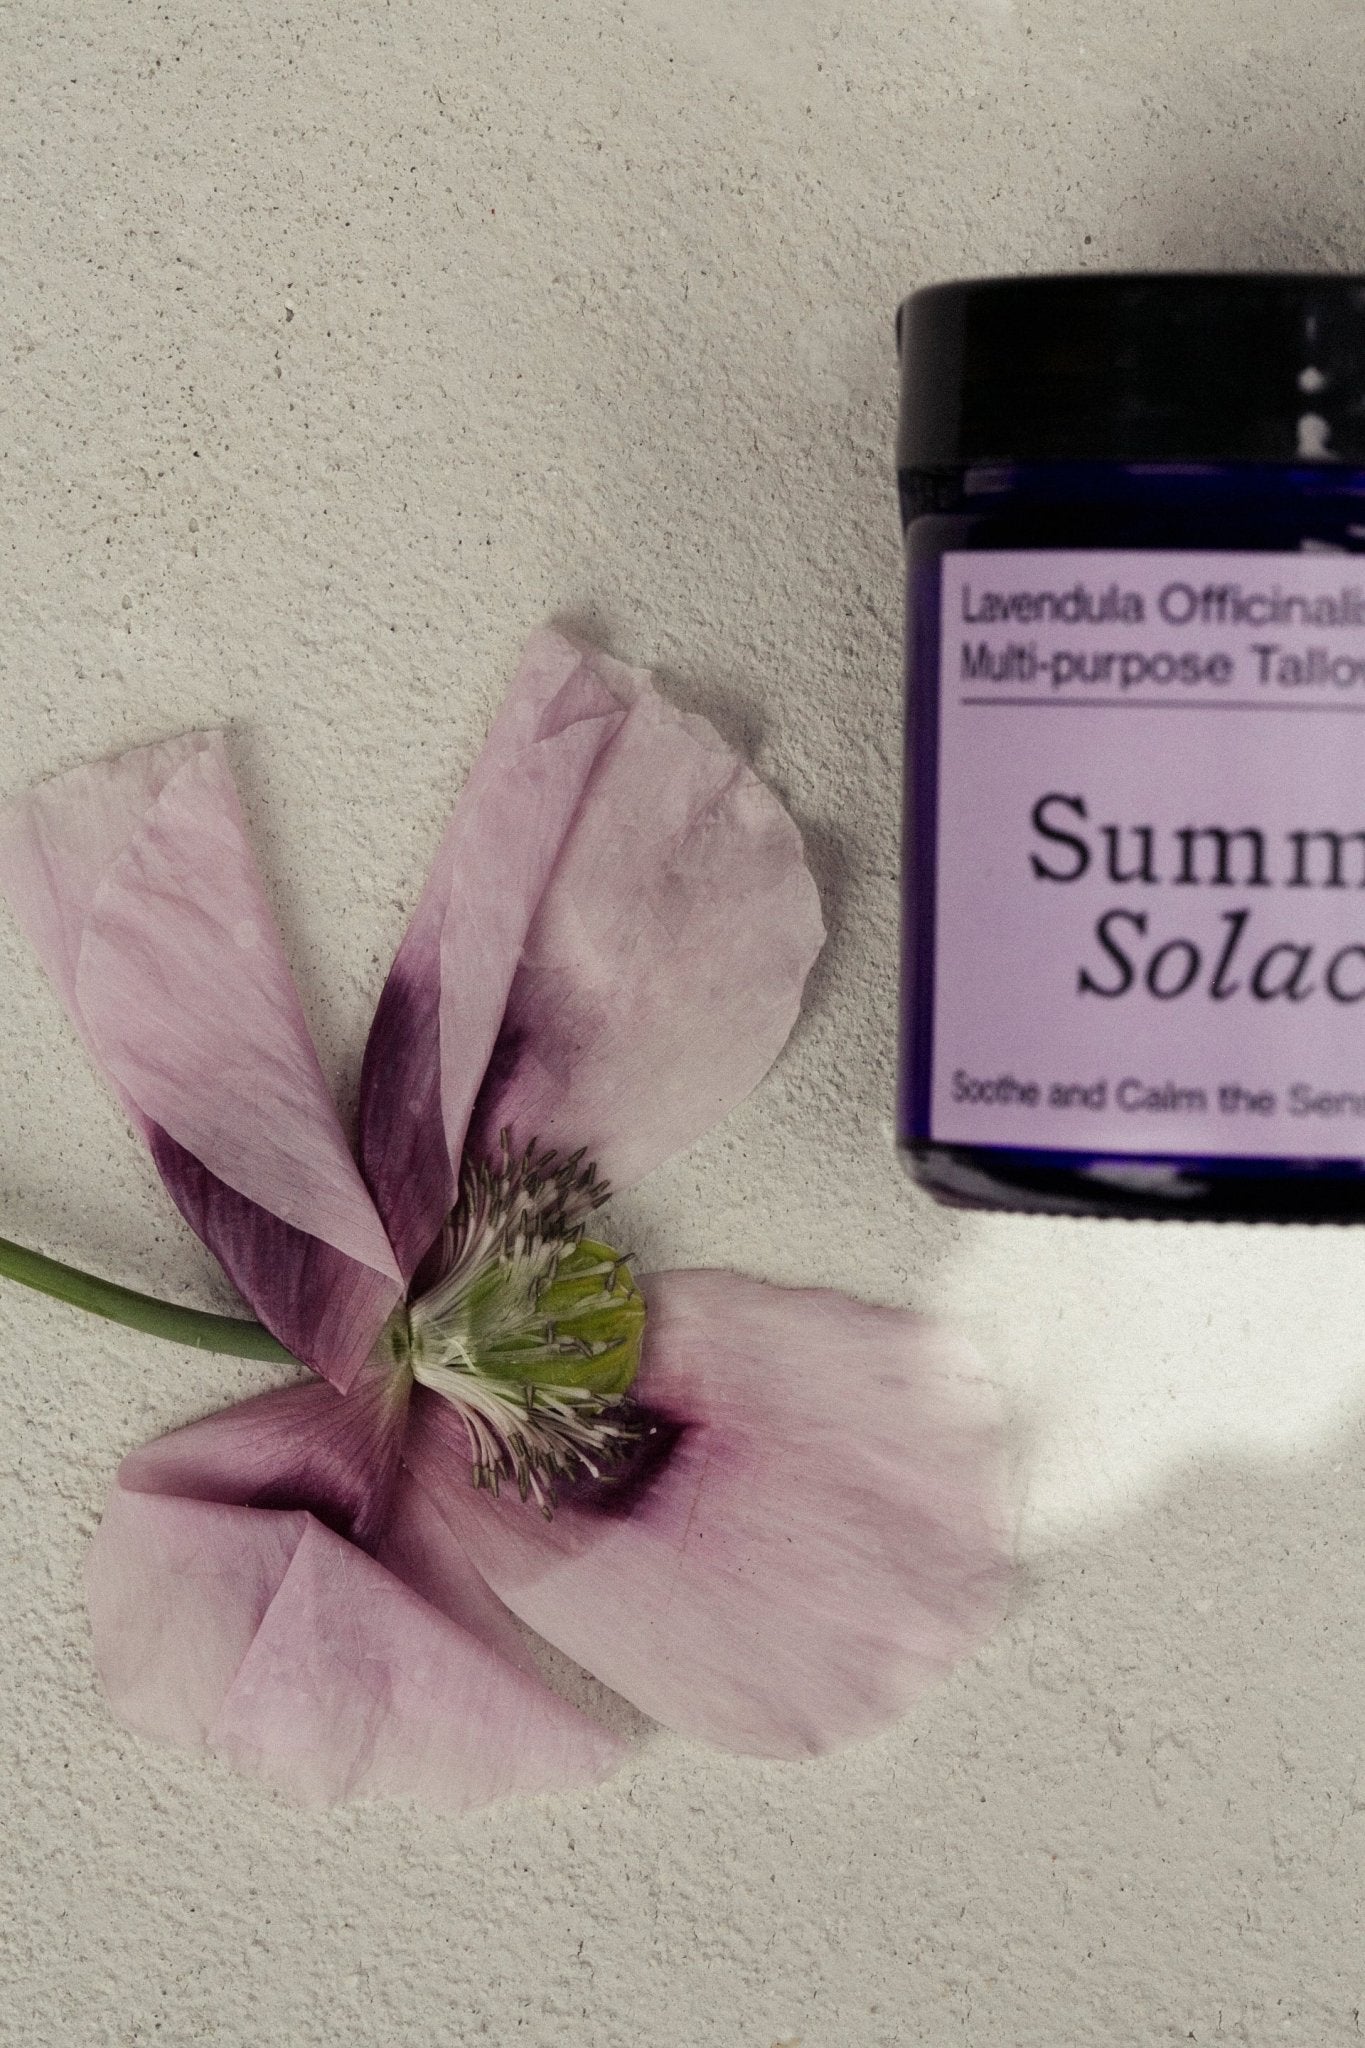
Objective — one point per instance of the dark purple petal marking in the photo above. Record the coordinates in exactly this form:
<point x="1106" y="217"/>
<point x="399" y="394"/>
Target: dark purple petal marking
<point x="136" y="884"/>
<point x="623" y="1488"/>
<point x="664" y="967"/>
<point x="826" y="1535"/>
<point x="403" y="1150"/>
<point x="336" y="1456"/>
<point x="268" y="1639"/>
<point x="442" y="1007"/>
<point x="326" y="1309"/>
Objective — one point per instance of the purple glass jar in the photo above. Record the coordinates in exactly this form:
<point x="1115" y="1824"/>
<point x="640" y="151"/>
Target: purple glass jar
<point x="1134" y="952"/>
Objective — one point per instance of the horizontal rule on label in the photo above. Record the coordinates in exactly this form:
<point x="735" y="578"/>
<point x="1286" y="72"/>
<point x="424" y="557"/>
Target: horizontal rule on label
<point x="1149" y="930"/>
<point x="1203" y="630"/>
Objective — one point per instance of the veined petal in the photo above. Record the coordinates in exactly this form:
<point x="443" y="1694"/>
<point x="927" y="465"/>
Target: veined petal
<point x="59" y="841"/>
<point x="303" y="1446"/>
<point x="827" y="1536"/>
<point x="418" y="1548"/>
<point x="662" y="973"/>
<point x="135" y="884"/>
<point x="228" y="1616"/>
<point x="441" y="1009"/>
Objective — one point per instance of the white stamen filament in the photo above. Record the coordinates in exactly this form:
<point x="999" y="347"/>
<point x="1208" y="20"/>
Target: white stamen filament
<point x="535" y="1435"/>
<point x="491" y="1337"/>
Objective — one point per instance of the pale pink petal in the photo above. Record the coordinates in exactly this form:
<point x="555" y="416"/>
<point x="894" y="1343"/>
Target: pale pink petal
<point x="58" y="843"/>
<point x="825" y="1538"/>
<point x="338" y="1457"/>
<point x="227" y="1615"/>
<point x="303" y="1446"/>
<point x="264" y="1636"/>
<point x="355" y="1687"/>
<point x="177" y="1591"/>
<point x="441" y="1008"/>
<point x="418" y="1548"/>
<point x="322" y="1306"/>
<point x="134" y="881"/>
<point x="663" y="970"/>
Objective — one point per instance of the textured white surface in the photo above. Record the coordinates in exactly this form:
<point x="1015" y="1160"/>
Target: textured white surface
<point x="343" y="344"/>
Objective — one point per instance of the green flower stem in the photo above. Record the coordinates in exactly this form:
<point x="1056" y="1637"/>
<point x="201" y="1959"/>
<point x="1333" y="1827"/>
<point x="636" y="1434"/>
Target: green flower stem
<point x="192" y="1326"/>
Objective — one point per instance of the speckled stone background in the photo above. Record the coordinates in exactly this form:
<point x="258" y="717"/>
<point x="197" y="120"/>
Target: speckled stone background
<point x="342" y="344"/>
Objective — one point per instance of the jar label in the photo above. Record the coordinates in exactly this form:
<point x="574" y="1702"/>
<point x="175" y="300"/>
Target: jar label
<point x="1149" y="887"/>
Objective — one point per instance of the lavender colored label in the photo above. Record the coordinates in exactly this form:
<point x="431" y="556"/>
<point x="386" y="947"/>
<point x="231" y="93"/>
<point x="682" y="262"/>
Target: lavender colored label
<point x="1150" y="897"/>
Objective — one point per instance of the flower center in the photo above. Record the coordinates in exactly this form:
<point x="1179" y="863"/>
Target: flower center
<point x="529" y="1329"/>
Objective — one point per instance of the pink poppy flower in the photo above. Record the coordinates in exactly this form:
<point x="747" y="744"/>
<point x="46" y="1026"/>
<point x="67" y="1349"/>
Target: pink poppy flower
<point x="771" y="1539"/>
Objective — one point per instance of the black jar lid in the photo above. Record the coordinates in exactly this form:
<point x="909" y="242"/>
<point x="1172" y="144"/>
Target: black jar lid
<point x="1191" y="367"/>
